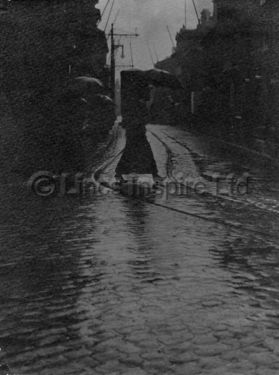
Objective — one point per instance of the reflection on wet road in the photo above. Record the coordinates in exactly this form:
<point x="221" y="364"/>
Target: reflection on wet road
<point x="115" y="285"/>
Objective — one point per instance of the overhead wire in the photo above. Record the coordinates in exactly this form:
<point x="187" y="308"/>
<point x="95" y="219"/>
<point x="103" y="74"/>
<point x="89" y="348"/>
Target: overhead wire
<point x="111" y="8"/>
<point x="105" y="8"/>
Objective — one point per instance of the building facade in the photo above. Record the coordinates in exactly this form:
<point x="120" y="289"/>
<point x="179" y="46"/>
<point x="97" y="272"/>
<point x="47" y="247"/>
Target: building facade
<point x="44" y="45"/>
<point x="242" y="54"/>
<point x="229" y="67"/>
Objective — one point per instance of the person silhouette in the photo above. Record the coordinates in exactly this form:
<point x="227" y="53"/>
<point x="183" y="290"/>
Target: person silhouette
<point x="137" y="156"/>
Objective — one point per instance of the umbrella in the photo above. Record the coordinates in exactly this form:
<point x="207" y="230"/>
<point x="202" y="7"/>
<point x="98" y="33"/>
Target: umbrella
<point x="90" y="81"/>
<point x="162" y="78"/>
<point x="84" y="87"/>
<point x="81" y="86"/>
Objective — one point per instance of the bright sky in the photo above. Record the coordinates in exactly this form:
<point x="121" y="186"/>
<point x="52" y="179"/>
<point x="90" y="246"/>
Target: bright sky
<point x="150" y="18"/>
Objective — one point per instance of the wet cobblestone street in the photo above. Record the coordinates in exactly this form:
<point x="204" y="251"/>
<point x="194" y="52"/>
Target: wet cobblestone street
<point x="111" y="285"/>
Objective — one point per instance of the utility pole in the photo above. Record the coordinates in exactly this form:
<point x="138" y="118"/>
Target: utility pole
<point x="114" y="47"/>
<point x="112" y="63"/>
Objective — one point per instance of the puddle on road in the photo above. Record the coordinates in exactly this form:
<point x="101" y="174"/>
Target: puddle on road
<point x="111" y="283"/>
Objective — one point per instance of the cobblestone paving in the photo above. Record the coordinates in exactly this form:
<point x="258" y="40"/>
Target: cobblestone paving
<point x="116" y="286"/>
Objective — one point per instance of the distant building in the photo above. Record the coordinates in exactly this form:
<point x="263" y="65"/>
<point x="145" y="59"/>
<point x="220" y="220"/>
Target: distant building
<point x="229" y="67"/>
<point x="244" y="6"/>
<point x="242" y="55"/>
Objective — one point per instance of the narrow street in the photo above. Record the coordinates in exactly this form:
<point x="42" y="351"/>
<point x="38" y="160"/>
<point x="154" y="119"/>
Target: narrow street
<point x="170" y="283"/>
<point x="139" y="187"/>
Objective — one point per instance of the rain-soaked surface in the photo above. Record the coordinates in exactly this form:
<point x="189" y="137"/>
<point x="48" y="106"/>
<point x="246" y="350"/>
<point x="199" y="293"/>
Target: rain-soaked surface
<point x="170" y="283"/>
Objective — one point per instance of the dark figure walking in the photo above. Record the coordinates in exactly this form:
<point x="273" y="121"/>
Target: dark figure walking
<point x="137" y="157"/>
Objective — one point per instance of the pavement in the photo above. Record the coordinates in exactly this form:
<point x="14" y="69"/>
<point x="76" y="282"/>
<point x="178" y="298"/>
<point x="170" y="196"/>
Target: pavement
<point x="115" y="285"/>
